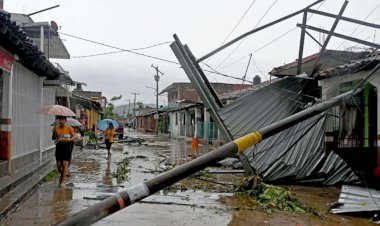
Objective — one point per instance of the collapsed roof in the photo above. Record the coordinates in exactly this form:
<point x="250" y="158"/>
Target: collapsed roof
<point x="295" y="154"/>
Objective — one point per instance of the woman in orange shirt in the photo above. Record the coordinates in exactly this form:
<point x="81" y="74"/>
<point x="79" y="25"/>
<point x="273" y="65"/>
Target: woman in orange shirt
<point x="63" y="135"/>
<point x="108" y="134"/>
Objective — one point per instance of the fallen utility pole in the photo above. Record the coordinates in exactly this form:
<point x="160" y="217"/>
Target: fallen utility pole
<point x="140" y="191"/>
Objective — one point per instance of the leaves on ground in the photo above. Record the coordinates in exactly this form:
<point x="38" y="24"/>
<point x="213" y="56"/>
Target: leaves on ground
<point x="268" y="198"/>
<point x="122" y="171"/>
<point x="50" y="176"/>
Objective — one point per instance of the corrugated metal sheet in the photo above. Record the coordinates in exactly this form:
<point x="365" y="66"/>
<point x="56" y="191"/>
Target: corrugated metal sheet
<point x="295" y="154"/>
<point x="357" y="199"/>
<point x="26" y="94"/>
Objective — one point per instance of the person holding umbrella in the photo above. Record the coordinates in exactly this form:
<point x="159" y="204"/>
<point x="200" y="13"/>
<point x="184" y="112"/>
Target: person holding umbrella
<point x="63" y="136"/>
<point x="108" y="135"/>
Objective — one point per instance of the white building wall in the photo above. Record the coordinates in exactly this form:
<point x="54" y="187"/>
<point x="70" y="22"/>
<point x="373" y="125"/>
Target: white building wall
<point x="48" y="99"/>
<point x="26" y="100"/>
<point x="330" y="89"/>
<point x="175" y="128"/>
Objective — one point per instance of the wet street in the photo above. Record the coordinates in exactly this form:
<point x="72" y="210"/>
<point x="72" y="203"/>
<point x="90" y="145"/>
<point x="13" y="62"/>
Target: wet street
<point x="93" y="178"/>
<point x="190" y="202"/>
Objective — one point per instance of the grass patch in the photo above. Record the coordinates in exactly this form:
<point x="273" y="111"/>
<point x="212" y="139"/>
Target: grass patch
<point x="93" y="138"/>
<point x="50" y="177"/>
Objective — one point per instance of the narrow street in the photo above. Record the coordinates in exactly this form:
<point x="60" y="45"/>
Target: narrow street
<point x="92" y="180"/>
<point x="189" y="202"/>
<point x="283" y="129"/>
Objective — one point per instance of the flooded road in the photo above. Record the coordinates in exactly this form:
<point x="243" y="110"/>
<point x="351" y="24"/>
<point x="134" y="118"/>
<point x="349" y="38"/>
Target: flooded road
<point x="193" y="201"/>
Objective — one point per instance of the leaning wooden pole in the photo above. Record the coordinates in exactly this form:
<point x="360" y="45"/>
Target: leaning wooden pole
<point x="140" y="191"/>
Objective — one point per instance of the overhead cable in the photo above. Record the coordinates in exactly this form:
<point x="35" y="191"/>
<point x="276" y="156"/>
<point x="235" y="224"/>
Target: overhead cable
<point x="369" y="14"/>
<point x="241" y="42"/>
<point x="120" y="51"/>
<point x="114" y="47"/>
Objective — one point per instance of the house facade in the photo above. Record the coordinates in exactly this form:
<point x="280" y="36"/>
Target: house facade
<point x="352" y="129"/>
<point x="26" y="151"/>
<point x="354" y="133"/>
<point x="189" y="117"/>
<point x="88" y="106"/>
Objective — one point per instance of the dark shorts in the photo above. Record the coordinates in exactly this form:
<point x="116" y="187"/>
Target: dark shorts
<point x="63" y="151"/>
<point x="108" y="144"/>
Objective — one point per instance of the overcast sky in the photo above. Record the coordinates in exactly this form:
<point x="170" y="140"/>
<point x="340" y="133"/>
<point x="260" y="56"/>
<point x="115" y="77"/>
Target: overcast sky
<point x="202" y="24"/>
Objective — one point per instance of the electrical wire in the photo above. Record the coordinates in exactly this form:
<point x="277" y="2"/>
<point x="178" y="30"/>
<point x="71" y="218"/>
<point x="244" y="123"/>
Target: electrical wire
<point x="373" y="10"/>
<point x="241" y="42"/>
<point x="228" y="76"/>
<point x="271" y="42"/>
<point x="237" y="24"/>
<point x="145" y="55"/>
<point x="114" y="47"/>
<point x="120" y="51"/>
<point x="254" y="61"/>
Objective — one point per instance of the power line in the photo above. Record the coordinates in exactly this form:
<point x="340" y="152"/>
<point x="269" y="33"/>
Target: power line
<point x="114" y="47"/>
<point x="274" y="40"/>
<point x="254" y="61"/>
<point x="98" y="54"/>
<point x="214" y="71"/>
<point x="145" y="55"/>
<point x="120" y="51"/>
<point x="373" y="10"/>
<point x="237" y="24"/>
<point x="241" y="42"/>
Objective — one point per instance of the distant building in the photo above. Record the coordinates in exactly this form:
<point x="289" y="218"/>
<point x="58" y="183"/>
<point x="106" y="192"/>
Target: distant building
<point x="187" y="115"/>
<point x="50" y="43"/>
<point x="88" y="105"/>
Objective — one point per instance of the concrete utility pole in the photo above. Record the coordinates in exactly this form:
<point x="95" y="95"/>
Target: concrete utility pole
<point x="134" y="104"/>
<point x="157" y="78"/>
<point x="125" y="106"/>
<point x="134" y="110"/>
<point x="129" y="107"/>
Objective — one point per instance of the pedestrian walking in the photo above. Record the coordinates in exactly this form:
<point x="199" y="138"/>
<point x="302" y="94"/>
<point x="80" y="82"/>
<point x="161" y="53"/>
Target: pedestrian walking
<point x="63" y="136"/>
<point x="108" y="135"/>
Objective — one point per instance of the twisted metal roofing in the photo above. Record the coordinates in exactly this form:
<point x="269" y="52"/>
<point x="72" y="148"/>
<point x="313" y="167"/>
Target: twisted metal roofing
<point x="295" y="154"/>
